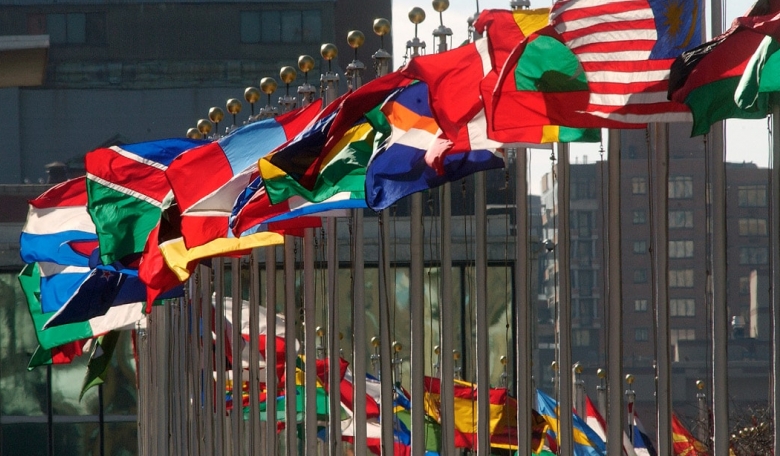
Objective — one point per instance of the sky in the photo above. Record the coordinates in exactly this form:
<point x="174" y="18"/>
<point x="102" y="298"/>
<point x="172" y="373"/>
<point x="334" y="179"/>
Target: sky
<point x="746" y="140"/>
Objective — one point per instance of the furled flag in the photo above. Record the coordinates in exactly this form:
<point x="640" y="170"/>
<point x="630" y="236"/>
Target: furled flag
<point x="58" y="228"/>
<point x="99" y="361"/>
<point x="596" y="422"/>
<point x="626" y="50"/>
<point x="128" y="191"/>
<point x="206" y="180"/>
<point x="683" y="443"/>
<point x="729" y="77"/>
<point x="399" y="167"/>
<point x="586" y="441"/>
<point x="120" y="317"/>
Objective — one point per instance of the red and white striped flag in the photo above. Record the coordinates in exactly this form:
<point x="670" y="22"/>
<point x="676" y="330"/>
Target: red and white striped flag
<point x="626" y="48"/>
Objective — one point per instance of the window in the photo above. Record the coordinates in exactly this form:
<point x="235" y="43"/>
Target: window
<point x="641" y="334"/>
<point x="680" y="249"/>
<point x="640" y="246"/>
<point x="680" y="219"/>
<point x="281" y="26"/>
<point x="744" y="285"/>
<point x="682" y="334"/>
<point x="640" y="276"/>
<point x="676" y="335"/>
<point x="753" y="255"/>
<point x="680" y="187"/>
<point x="640" y="305"/>
<point x="582" y="221"/>
<point x="752" y="227"/>
<point x="752" y="195"/>
<point x="680" y="278"/>
<point x="640" y="217"/>
<point x="583" y="188"/>
<point x="69" y="28"/>
<point x="682" y="308"/>
<point x="638" y="185"/>
<point x="580" y="337"/>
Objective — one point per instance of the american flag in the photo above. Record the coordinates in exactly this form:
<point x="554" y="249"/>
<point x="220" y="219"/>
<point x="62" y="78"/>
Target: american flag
<point x="626" y="48"/>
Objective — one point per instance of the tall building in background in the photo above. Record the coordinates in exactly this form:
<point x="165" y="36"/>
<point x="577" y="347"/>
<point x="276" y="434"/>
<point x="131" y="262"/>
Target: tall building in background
<point x="142" y="70"/>
<point x="123" y="72"/>
<point x="688" y="276"/>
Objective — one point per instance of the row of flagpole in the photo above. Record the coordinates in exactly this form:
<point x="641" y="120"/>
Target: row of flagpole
<point x="161" y="391"/>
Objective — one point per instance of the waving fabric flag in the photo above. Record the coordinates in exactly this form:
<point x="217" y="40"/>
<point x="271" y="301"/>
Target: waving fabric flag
<point x="596" y="422"/>
<point x="120" y="317"/>
<point x="58" y="228"/>
<point x="683" y="443"/>
<point x="128" y="190"/>
<point x="206" y="180"/>
<point x="399" y="168"/>
<point x="643" y="444"/>
<point x="528" y="120"/>
<point x="586" y="441"/>
<point x="626" y="50"/>
<point x="64" y="354"/>
<point x="503" y="415"/>
<point x="730" y="76"/>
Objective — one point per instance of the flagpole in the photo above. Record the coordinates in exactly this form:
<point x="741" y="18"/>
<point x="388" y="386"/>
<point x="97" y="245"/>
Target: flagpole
<point x="271" y="388"/>
<point x="523" y="305"/>
<point x="564" y="301"/>
<point x="268" y="86"/>
<point x="330" y="81"/>
<point x="775" y="249"/>
<point x="615" y="303"/>
<point x="237" y="413"/>
<point x="291" y="357"/>
<point x="219" y="353"/>
<point x="207" y="356"/>
<point x="720" y="406"/>
<point x="382" y="64"/>
<point x="254" y="353"/>
<point x="446" y="311"/>
<point x="416" y="288"/>
<point x="661" y="258"/>
<point x="354" y="75"/>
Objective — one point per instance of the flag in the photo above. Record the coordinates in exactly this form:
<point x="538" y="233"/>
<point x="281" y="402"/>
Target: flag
<point x="254" y="212"/>
<point x="262" y="330"/>
<point x="505" y="30"/>
<point x="166" y="261"/>
<point x="626" y="50"/>
<point x="643" y="444"/>
<point x="63" y="354"/>
<point x="339" y="169"/>
<point x="399" y="167"/>
<point x="503" y="415"/>
<point x="586" y="441"/>
<point x="455" y="72"/>
<point x="683" y="443"/>
<point x="58" y="228"/>
<point x="295" y="160"/>
<point x="119" y="317"/>
<point x="127" y="190"/>
<point x="206" y="180"/>
<point x="596" y="422"/>
<point x="722" y="78"/>
<point x="101" y="289"/>
<point x="99" y="360"/>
